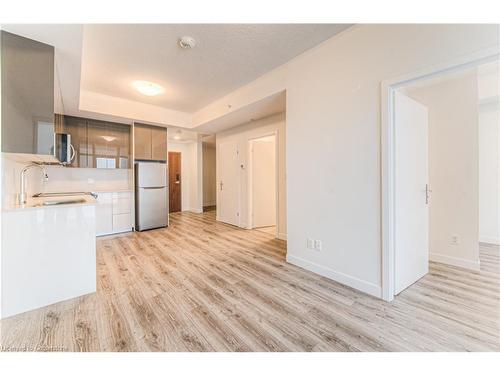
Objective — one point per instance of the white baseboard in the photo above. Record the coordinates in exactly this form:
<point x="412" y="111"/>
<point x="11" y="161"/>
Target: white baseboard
<point x="490" y="240"/>
<point x="353" y="282"/>
<point x="453" y="261"/>
<point x="282" y="236"/>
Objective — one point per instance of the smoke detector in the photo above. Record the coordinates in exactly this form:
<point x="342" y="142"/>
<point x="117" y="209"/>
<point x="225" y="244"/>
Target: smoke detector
<point x="187" y="42"/>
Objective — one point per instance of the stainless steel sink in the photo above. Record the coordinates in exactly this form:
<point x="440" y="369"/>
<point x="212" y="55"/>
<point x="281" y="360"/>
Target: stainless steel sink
<point x="63" y="201"/>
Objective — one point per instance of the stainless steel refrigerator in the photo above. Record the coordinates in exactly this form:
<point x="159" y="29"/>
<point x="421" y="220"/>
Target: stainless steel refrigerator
<point x="151" y="195"/>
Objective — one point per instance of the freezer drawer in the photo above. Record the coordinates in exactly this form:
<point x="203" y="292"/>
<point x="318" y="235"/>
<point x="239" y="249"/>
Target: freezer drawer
<point x="151" y="174"/>
<point x="152" y="208"/>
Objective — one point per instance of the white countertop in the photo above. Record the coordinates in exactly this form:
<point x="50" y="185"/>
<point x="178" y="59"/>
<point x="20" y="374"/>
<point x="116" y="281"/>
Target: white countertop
<point x="37" y="203"/>
<point x="113" y="190"/>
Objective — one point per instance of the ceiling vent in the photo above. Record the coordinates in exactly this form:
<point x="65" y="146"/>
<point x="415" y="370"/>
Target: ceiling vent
<point x="187" y="42"/>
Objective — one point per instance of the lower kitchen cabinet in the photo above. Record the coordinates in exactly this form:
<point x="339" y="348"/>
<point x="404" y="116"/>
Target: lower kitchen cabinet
<point x="122" y="223"/>
<point x="114" y="213"/>
<point x="104" y="214"/>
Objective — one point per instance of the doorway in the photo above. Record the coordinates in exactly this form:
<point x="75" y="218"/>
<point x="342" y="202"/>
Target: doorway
<point x="209" y="173"/>
<point x="263" y="183"/>
<point x="174" y="181"/>
<point x="429" y="164"/>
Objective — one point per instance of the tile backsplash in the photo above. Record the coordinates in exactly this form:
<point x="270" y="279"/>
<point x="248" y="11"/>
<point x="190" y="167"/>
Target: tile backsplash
<point x="60" y="179"/>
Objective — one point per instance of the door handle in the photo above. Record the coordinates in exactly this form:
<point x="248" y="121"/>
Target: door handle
<point x="221" y="184"/>
<point x="177" y="182"/>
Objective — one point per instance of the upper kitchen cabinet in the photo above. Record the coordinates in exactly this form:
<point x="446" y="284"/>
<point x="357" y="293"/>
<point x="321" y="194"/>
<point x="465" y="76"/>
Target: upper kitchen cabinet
<point x="150" y="142"/>
<point x="77" y="128"/>
<point x="159" y="143"/>
<point x="108" y="145"/>
<point x="27" y="91"/>
<point x="142" y="142"/>
<point x="98" y="144"/>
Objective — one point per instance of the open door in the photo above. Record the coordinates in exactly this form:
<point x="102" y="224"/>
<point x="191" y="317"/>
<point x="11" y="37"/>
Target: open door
<point x="228" y="184"/>
<point x="411" y="192"/>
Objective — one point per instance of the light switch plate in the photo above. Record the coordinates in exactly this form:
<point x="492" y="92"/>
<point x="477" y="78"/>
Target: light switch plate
<point x="318" y="245"/>
<point x="310" y="243"/>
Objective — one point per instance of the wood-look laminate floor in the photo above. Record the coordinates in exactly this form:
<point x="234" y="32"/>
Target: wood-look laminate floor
<point x="205" y="286"/>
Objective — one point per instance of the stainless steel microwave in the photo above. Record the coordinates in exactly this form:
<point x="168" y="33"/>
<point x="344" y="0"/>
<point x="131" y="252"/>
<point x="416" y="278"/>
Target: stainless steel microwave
<point x="64" y="151"/>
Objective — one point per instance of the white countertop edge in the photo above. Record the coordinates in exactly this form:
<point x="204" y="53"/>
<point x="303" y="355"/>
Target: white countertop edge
<point x="113" y="191"/>
<point x="31" y="204"/>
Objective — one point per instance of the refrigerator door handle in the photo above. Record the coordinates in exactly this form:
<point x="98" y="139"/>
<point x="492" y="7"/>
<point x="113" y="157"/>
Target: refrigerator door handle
<point x="153" y="187"/>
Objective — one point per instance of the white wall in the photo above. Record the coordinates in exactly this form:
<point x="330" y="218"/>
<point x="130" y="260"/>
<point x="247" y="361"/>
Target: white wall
<point x="489" y="153"/>
<point x="209" y="177"/>
<point x="453" y="168"/>
<point x="189" y="174"/>
<point x="333" y="136"/>
<point x="242" y="134"/>
<point x="489" y="173"/>
<point x="262" y="181"/>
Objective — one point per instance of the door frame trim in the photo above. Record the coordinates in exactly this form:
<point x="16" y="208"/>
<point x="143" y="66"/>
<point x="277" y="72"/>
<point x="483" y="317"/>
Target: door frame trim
<point x="168" y="177"/>
<point x="277" y="160"/>
<point x="388" y="88"/>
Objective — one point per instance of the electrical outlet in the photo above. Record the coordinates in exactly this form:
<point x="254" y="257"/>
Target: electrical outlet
<point x="455" y="239"/>
<point x="310" y="243"/>
<point x="318" y="245"/>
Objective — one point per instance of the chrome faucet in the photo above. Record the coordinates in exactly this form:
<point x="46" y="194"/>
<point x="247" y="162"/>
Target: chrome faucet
<point x="23" y="196"/>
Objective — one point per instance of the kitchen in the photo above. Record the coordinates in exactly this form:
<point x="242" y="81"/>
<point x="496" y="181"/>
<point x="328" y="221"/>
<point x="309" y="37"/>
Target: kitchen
<point x="66" y="180"/>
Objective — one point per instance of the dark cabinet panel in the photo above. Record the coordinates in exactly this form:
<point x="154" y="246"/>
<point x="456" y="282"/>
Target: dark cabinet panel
<point x="27" y="100"/>
<point x="77" y="128"/>
<point x="142" y="142"/>
<point x="150" y="142"/>
<point x="159" y="143"/>
<point x="98" y="144"/>
<point x="109" y="145"/>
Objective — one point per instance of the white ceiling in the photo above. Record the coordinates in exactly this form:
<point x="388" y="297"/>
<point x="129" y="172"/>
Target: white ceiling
<point x="266" y="107"/>
<point x="178" y="135"/>
<point x="105" y="59"/>
<point x="226" y="57"/>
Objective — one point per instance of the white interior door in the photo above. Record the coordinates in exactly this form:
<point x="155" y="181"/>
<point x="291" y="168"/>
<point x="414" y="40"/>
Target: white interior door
<point x="263" y="182"/>
<point x="411" y="179"/>
<point x="228" y="183"/>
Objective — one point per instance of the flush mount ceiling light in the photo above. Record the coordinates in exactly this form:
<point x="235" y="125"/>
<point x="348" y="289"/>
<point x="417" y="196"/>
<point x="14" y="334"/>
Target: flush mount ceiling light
<point x="108" y="138"/>
<point x="147" y="88"/>
<point x="187" y="42"/>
